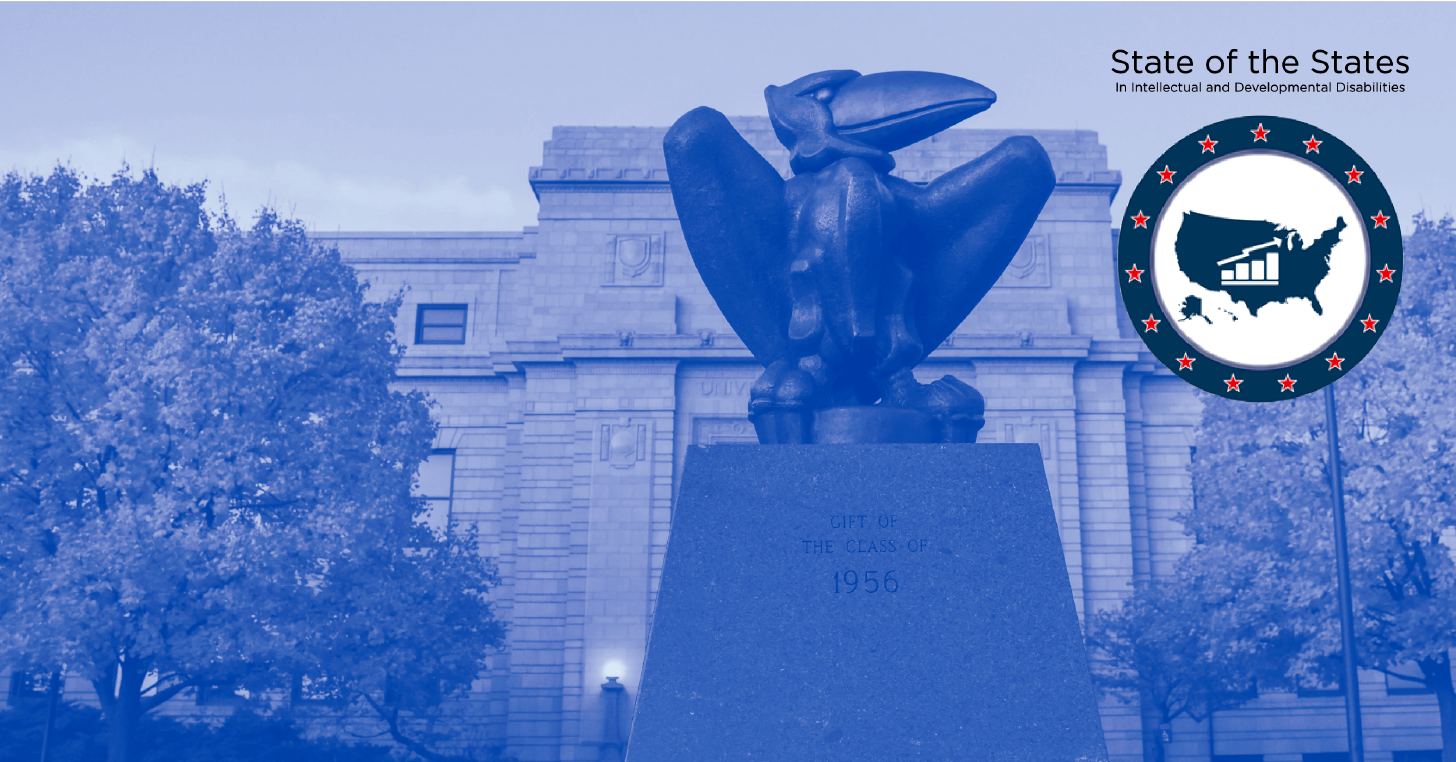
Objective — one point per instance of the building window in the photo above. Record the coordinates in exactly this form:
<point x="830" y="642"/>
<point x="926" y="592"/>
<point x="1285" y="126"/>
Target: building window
<point x="412" y="693"/>
<point x="440" y="324"/>
<point x="436" y="484"/>
<point x="1249" y="693"/>
<point x="1421" y="755"/>
<point x="1320" y="691"/>
<point x="222" y="694"/>
<point x="29" y="685"/>
<point x="1327" y="756"/>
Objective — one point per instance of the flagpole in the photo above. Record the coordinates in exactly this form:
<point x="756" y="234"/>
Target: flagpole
<point x="1347" y="606"/>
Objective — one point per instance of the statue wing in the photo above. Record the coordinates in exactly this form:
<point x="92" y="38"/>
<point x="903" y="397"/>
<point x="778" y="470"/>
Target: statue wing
<point x="972" y="221"/>
<point x="730" y="201"/>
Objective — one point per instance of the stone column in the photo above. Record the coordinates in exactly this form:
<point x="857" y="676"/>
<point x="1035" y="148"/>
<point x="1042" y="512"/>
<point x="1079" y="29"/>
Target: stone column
<point x="542" y="561"/>
<point x="622" y="478"/>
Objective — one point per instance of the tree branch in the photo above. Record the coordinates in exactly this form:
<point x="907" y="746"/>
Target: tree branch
<point x="163" y="696"/>
<point x="391" y="718"/>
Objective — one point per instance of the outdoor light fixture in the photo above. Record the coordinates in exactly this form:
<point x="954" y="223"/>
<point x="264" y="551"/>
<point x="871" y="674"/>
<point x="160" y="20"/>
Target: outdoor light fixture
<point x="611" y="745"/>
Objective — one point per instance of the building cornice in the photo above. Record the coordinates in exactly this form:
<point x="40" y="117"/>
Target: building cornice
<point x="654" y="180"/>
<point x="727" y="348"/>
<point x="714" y="347"/>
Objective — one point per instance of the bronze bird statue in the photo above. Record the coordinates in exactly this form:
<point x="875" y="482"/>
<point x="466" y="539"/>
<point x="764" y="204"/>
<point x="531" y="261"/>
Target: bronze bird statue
<point x="843" y="277"/>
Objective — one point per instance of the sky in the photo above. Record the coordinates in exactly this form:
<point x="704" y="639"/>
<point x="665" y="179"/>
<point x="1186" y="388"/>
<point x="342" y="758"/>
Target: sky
<point x="427" y="117"/>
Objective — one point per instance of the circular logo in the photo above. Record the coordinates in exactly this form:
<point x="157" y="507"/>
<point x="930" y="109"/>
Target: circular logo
<point x="1260" y="259"/>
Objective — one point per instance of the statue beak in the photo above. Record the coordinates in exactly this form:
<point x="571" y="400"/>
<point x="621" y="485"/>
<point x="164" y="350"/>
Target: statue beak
<point x="893" y="109"/>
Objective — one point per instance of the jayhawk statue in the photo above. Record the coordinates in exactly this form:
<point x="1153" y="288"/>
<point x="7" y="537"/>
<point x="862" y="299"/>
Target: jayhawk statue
<point x="843" y="277"/>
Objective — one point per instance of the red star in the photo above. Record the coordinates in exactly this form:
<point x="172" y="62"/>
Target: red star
<point x="1369" y="323"/>
<point x="1385" y="273"/>
<point x="1312" y="145"/>
<point x="1380" y="220"/>
<point x="1141" y="220"/>
<point x="1354" y="175"/>
<point x="1335" y="361"/>
<point x="1151" y="324"/>
<point x="1233" y="383"/>
<point x="1185" y="362"/>
<point x="1261" y="133"/>
<point x="1134" y="274"/>
<point x="1166" y="175"/>
<point x="1208" y="143"/>
<point x="1286" y="384"/>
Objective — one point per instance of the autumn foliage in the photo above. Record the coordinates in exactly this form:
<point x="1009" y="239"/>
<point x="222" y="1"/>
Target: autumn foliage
<point x="204" y="473"/>
<point x="1260" y="580"/>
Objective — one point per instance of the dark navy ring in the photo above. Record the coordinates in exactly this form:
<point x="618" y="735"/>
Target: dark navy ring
<point x="1305" y="372"/>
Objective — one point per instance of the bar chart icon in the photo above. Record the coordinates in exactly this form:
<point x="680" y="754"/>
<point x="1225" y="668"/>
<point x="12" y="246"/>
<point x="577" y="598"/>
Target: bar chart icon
<point x="1260" y="269"/>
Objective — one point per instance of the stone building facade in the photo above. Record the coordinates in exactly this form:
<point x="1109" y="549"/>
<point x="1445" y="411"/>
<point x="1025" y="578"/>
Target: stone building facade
<point x="591" y="356"/>
<point x="574" y="362"/>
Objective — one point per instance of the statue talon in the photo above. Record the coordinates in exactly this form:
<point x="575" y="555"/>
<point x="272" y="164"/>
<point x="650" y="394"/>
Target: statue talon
<point x="761" y="396"/>
<point x="841" y="277"/>
<point x="780" y="402"/>
<point x="958" y="409"/>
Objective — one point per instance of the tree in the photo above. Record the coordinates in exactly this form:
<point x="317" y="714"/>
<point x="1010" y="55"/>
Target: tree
<point x="242" y="736"/>
<point x="204" y="473"/>
<point x="1157" y="648"/>
<point x="1263" y="510"/>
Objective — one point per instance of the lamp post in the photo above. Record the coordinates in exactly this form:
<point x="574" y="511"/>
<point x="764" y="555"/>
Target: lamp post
<point x="53" y="698"/>
<point x="611" y="745"/>
<point x="1347" y="605"/>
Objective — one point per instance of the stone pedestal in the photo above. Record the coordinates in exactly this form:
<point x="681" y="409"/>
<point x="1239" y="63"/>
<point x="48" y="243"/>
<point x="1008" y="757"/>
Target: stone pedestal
<point x="865" y="602"/>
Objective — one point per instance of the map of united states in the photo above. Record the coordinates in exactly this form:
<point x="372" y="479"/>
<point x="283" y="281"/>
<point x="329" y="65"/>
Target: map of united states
<point x="1255" y="262"/>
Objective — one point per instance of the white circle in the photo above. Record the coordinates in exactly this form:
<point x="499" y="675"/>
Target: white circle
<point x="1301" y="199"/>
